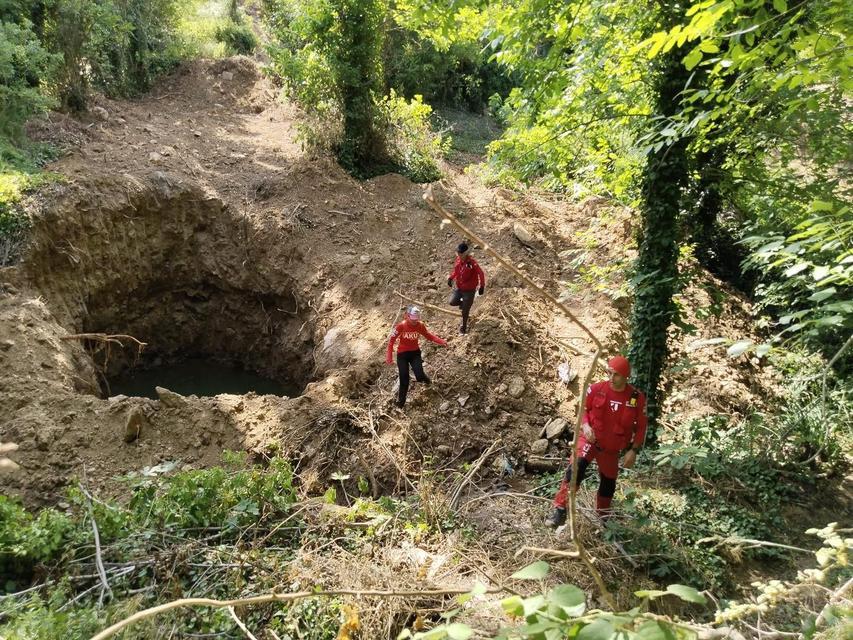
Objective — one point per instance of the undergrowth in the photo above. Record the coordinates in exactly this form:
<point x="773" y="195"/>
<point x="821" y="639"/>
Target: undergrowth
<point x="714" y="483"/>
<point x="20" y="173"/>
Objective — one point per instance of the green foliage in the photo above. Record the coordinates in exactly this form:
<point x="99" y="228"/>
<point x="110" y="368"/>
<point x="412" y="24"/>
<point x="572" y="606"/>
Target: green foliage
<point x="24" y="64"/>
<point x="329" y="56"/>
<point x="807" y="275"/>
<point x="213" y="498"/>
<point x="719" y="469"/>
<point x="26" y="540"/>
<point x="412" y="144"/>
<point x="116" y="47"/>
<point x="457" y="74"/>
<point x="19" y="173"/>
<point x="237" y="37"/>
<point x="767" y="107"/>
<point x="329" y="53"/>
<point x="561" y="612"/>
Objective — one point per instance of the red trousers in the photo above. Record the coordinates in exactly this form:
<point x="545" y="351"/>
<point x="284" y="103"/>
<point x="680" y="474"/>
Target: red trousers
<point x="608" y="470"/>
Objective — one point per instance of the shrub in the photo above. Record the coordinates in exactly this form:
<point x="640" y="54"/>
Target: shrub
<point x="24" y="65"/>
<point x="412" y="144"/>
<point x="237" y="37"/>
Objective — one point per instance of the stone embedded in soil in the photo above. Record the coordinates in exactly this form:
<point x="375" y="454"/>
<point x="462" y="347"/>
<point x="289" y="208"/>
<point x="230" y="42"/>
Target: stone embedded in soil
<point x="555" y="428"/>
<point x="445" y="407"/>
<point x="522" y="234"/>
<point x="539" y="447"/>
<point x="365" y="259"/>
<point x="170" y="398"/>
<point x="135" y="421"/>
<point x="463" y="399"/>
<point x="5" y="345"/>
<point x="515" y="386"/>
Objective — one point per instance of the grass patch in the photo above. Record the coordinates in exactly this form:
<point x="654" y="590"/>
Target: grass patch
<point x="197" y="27"/>
<point x="20" y="173"/>
<point x="470" y="132"/>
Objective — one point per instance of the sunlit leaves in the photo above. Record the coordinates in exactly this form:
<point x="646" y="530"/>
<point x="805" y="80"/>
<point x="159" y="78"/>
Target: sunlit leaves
<point x="535" y="571"/>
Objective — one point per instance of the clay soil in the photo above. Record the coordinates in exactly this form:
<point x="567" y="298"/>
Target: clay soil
<point x="193" y="220"/>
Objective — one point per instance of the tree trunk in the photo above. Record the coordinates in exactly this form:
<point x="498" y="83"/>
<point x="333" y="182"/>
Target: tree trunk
<point x="664" y="178"/>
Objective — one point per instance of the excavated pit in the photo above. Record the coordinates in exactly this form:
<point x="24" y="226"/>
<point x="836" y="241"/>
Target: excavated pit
<point x="171" y="268"/>
<point x="202" y="285"/>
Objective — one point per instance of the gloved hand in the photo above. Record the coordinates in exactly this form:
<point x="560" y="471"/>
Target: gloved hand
<point x="482" y="290"/>
<point x="443" y="343"/>
<point x="389" y="361"/>
<point x="450" y="282"/>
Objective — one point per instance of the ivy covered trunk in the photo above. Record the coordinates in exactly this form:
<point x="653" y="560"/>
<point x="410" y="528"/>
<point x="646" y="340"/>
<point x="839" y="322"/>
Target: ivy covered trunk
<point x="357" y="44"/>
<point x="664" y="178"/>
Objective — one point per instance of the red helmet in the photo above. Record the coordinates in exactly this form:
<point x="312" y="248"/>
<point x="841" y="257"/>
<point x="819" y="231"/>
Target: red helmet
<point x="620" y="365"/>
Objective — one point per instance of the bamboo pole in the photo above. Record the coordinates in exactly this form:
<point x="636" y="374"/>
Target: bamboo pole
<point x="599" y="348"/>
<point x="427" y="305"/>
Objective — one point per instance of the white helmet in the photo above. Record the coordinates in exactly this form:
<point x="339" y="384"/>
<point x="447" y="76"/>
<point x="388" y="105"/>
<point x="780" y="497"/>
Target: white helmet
<point x="413" y="312"/>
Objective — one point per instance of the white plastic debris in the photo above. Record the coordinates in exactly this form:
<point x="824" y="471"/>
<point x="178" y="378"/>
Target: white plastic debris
<point x="566" y="373"/>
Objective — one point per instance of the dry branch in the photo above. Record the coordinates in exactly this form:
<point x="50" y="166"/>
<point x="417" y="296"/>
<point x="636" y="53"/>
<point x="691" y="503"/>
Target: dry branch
<point x="427" y="305"/>
<point x="549" y="552"/>
<point x="106" y="338"/>
<point x="273" y="597"/>
<point x="446" y="215"/>
<point x="240" y="624"/>
<point x="454" y="500"/>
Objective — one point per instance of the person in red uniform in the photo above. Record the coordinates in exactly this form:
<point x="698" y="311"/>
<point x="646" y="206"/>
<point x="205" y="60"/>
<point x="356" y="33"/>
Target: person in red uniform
<point x="614" y="420"/>
<point x="409" y="332"/>
<point x="468" y="277"/>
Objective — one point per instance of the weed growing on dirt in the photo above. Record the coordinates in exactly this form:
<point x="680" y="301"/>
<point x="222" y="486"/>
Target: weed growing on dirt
<point x="20" y="173"/>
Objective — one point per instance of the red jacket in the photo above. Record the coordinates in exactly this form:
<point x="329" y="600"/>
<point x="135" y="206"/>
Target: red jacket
<point x="467" y="273"/>
<point x="409" y="334"/>
<point x="618" y="418"/>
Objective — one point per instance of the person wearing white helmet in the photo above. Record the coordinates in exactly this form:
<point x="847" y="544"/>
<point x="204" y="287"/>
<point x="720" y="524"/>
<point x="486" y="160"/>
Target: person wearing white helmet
<point x="408" y="332"/>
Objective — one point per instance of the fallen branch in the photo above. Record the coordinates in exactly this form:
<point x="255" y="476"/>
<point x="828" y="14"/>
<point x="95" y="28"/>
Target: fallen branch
<point x="99" y="561"/>
<point x="513" y="494"/>
<point x="752" y="544"/>
<point x="240" y="624"/>
<point x="427" y="305"/>
<point x="273" y="597"/>
<point x="446" y="215"/>
<point x="106" y="338"/>
<point x="549" y="552"/>
<point x="454" y="500"/>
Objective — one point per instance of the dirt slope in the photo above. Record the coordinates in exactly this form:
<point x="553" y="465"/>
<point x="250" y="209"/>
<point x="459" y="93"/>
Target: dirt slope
<point x="193" y="220"/>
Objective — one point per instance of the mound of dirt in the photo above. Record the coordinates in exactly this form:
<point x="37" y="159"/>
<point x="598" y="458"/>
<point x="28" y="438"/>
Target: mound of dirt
<point x="193" y="221"/>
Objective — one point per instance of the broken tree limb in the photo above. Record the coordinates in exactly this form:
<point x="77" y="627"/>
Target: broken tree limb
<point x="106" y="338"/>
<point x="432" y="202"/>
<point x="240" y="624"/>
<point x="599" y="348"/>
<point x="427" y="305"/>
<point x="548" y="552"/>
<point x="454" y="500"/>
<point x="274" y="597"/>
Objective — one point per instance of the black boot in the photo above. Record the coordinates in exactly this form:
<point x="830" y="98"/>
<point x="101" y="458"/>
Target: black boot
<point x="557" y="518"/>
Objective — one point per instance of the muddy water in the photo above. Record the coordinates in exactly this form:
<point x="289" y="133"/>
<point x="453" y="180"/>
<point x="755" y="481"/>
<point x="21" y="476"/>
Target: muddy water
<point x="198" y="377"/>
